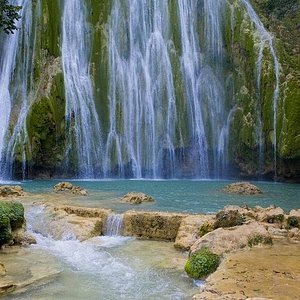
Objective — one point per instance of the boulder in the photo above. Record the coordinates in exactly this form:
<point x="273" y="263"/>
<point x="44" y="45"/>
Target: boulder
<point x="152" y="225"/>
<point x="228" y="218"/>
<point x="69" y="222"/>
<point x="136" y="198"/>
<point x="69" y="187"/>
<point x="189" y="230"/>
<point x="11" y="191"/>
<point x="271" y="214"/>
<point x="223" y="240"/>
<point x="23" y="238"/>
<point x="242" y="188"/>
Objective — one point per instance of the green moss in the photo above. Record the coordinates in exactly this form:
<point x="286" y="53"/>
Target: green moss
<point x="51" y="12"/>
<point x="205" y="228"/>
<point x="259" y="239"/>
<point x="5" y="229"/>
<point x="293" y="222"/>
<point x="228" y="219"/>
<point x="11" y="218"/>
<point x="202" y="263"/>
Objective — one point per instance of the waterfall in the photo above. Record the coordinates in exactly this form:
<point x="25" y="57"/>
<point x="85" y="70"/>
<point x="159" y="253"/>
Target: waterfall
<point x="144" y="131"/>
<point x="266" y="40"/>
<point x="141" y="98"/>
<point x="170" y="97"/>
<point x="114" y="225"/>
<point x="15" y="67"/>
<point x="82" y="119"/>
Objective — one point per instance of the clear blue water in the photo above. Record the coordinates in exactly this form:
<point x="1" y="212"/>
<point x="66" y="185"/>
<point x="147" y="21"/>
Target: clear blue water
<point x="190" y="196"/>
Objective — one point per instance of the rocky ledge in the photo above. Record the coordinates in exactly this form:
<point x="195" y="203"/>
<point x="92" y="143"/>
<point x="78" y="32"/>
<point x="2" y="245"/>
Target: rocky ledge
<point x="11" y="191"/>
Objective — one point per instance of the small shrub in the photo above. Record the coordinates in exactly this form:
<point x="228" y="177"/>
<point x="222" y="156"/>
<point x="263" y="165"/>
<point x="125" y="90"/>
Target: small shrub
<point x="202" y="263"/>
<point x="259" y="239"/>
<point x="293" y="222"/>
<point x="276" y="219"/>
<point x="228" y="219"/>
<point x="205" y="228"/>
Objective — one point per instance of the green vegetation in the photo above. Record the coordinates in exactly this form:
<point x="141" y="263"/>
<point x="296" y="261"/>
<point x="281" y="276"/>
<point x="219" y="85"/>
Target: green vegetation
<point x="280" y="8"/>
<point x="8" y="16"/>
<point x="258" y="239"/>
<point x="202" y="263"/>
<point x="11" y="218"/>
<point x="276" y="219"/>
<point x="205" y="228"/>
<point x="293" y="222"/>
<point x="228" y="219"/>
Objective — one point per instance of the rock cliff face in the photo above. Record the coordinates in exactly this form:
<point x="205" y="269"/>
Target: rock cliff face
<point x="258" y="125"/>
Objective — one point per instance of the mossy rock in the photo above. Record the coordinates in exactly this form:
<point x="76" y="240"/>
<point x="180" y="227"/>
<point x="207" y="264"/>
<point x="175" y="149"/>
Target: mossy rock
<point x="202" y="263"/>
<point x="230" y="218"/>
<point x="206" y="228"/>
<point x="259" y="239"/>
<point x="11" y="218"/>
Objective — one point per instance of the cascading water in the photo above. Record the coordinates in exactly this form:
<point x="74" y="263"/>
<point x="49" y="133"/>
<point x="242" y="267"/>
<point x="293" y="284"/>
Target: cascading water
<point x="15" y="65"/>
<point x="82" y="120"/>
<point x="107" y="265"/>
<point x="144" y="129"/>
<point x="141" y="98"/>
<point x="114" y="225"/>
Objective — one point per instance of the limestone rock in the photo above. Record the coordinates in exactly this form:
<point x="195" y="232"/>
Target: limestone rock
<point x="69" y="187"/>
<point x="295" y="213"/>
<point x="11" y="191"/>
<point x="152" y="225"/>
<point x="189" y="230"/>
<point x="23" y="238"/>
<point x="242" y="188"/>
<point x="270" y="214"/>
<point x="81" y="223"/>
<point x="223" y="240"/>
<point x="294" y="234"/>
<point x="136" y="198"/>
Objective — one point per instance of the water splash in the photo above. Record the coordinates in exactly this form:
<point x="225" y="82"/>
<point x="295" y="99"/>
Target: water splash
<point x="82" y="119"/>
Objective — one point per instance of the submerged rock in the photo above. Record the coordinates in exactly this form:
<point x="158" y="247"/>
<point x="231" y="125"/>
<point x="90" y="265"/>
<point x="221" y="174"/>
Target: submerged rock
<point x="69" y="187"/>
<point x="136" y="198"/>
<point x="11" y="191"/>
<point x="242" y="188"/>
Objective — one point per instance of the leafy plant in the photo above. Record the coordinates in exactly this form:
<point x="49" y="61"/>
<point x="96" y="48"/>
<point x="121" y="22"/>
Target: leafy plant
<point x="293" y="221"/>
<point x="9" y="15"/>
<point x="202" y="263"/>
